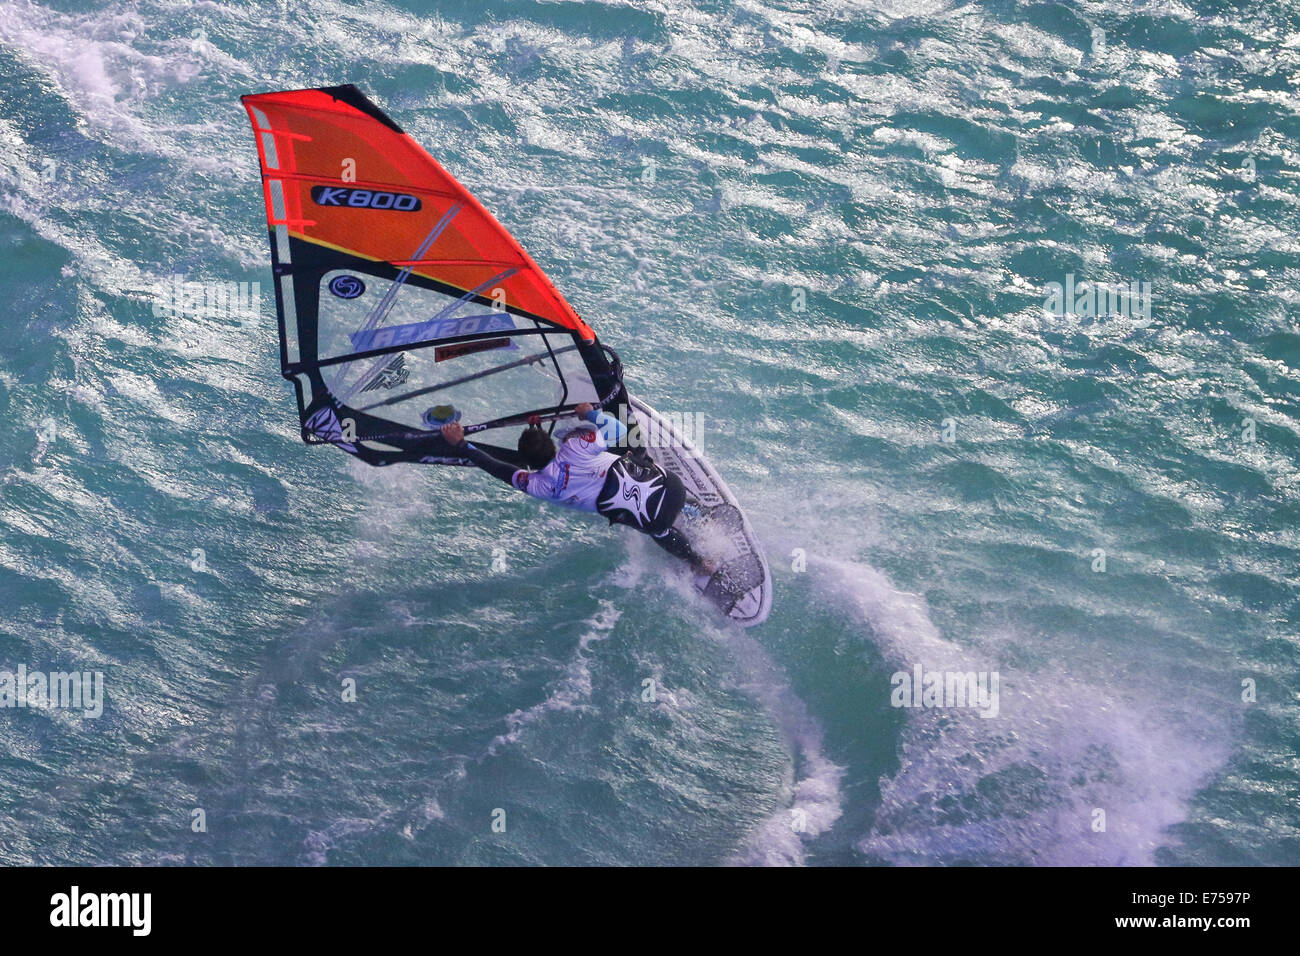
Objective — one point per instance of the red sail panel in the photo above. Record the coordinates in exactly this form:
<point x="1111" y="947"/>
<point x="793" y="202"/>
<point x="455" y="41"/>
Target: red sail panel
<point x="350" y="179"/>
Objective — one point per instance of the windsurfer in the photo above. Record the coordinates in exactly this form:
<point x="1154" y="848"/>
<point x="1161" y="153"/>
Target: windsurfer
<point x="584" y="474"/>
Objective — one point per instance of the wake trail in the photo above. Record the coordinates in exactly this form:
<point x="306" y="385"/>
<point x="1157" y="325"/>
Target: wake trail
<point x="813" y="782"/>
<point x="1066" y="773"/>
<point x="572" y="691"/>
<point x="811" y="797"/>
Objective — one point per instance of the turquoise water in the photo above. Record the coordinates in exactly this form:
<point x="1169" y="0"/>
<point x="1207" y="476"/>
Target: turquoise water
<point x="830" y="228"/>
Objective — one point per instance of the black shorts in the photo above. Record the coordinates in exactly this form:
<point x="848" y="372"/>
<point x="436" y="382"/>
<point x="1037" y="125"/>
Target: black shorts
<point x="640" y="494"/>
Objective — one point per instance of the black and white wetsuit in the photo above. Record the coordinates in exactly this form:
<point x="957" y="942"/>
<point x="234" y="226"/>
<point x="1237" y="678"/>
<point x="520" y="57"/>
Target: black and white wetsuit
<point x="585" y="474"/>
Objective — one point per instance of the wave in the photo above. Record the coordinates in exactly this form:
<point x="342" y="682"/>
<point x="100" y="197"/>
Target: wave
<point x="1067" y="773"/>
<point x="573" y="689"/>
<point x="814" y="801"/>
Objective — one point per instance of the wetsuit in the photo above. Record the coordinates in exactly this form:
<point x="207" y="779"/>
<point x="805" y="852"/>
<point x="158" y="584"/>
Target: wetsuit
<point x="629" y="489"/>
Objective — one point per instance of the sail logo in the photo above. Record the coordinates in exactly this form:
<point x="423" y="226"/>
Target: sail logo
<point x="364" y="198"/>
<point x="347" y="287"/>
<point x="367" y="339"/>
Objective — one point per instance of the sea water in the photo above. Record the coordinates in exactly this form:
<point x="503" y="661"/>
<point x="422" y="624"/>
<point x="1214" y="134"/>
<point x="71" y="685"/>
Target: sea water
<point x="986" y="311"/>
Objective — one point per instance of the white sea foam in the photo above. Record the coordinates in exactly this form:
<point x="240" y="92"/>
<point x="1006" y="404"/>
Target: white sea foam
<point x="103" y="65"/>
<point x="573" y="690"/>
<point x="813" y="798"/>
<point x="1028" y="786"/>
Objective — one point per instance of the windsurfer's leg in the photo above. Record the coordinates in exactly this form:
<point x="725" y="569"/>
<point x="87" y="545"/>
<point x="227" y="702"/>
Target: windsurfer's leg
<point x="675" y="543"/>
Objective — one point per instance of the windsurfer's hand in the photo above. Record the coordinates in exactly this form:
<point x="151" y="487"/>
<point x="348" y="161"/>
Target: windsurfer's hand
<point x="454" y="432"/>
<point x="582" y="408"/>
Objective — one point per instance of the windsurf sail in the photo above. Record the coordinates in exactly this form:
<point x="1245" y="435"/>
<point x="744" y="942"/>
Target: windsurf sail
<point x="397" y="291"/>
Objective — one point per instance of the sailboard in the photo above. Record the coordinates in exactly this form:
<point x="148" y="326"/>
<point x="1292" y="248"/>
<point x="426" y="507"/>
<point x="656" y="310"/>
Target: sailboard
<point x="740" y="585"/>
<point x="401" y="299"/>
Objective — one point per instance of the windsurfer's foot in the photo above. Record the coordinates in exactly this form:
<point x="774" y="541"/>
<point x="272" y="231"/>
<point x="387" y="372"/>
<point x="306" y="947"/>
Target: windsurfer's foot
<point x="703" y="566"/>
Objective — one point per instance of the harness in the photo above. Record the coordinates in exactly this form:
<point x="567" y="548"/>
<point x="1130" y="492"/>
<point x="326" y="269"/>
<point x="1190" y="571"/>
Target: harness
<point x="639" y="493"/>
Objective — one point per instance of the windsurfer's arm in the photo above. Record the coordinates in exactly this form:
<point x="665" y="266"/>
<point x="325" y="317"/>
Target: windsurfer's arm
<point x="454" y="432"/>
<point x="611" y="429"/>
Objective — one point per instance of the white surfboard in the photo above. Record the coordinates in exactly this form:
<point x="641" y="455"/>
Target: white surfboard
<point x="741" y="585"/>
